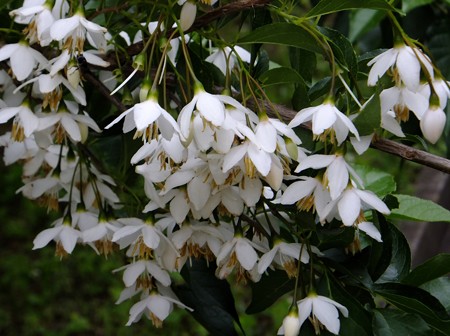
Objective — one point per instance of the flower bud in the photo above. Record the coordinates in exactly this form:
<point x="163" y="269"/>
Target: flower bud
<point x="432" y="123"/>
<point x="187" y="15"/>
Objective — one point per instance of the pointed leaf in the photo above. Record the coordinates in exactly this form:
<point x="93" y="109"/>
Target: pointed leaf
<point x="417" y="209"/>
<point x="431" y="269"/>
<point x="331" y="6"/>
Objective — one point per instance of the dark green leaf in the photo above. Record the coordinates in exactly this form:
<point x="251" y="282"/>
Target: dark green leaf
<point x="300" y="97"/>
<point x="416" y="301"/>
<point x="283" y="33"/>
<point x="440" y="289"/>
<point x="362" y="21"/>
<point x="303" y="61"/>
<point x="391" y="260"/>
<point x="281" y="75"/>
<point x="337" y="237"/>
<point x="268" y="290"/>
<point x="342" y="49"/>
<point x="331" y="6"/>
<point x="377" y="181"/>
<point x="210" y="297"/>
<point x="320" y="88"/>
<point x="390" y="322"/>
<point x="408" y="5"/>
<point x="417" y="209"/>
<point x="431" y="269"/>
<point x="369" y="117"/>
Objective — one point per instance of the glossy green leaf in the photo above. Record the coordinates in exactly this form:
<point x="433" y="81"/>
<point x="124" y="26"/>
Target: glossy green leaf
<point x="281" y="75"/>
<point x="391" y="260"/>
<point x="282" y="33"/>
<point x="369" y="118"/>
<point x="408" y="5"/>
<point x="304" y="62"/>
<point x="332" y="6"/>
<point x="342" y="49"/>
<point x="440" y="289"/>
<point x="377" y="181"/>
<point x="431" y="269"/>
<point x="417" y="209"/>
<point x="269" y="289"/>
<point x="210" y="297"/>
<point x="361" y="21"/>
<point x="390" y="322"/>
<point x="416" y="301"/>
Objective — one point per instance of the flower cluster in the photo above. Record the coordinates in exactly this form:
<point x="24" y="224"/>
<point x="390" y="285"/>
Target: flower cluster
<point x="223" y="179"/>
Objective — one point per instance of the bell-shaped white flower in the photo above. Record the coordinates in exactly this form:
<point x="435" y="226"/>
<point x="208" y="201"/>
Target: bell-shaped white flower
<point x="76" y="29"/>
<point x="22" y="57"/>
<point x="291" y="324"/>
<point x="405" y="60"/>
<point x="441" y="88"/>
<point x="322" y="310"/>
<point x="323" y="117"/>
<point x="226" y="58"/>
<point x="25" y="122"/>
<point x="432" y="123"/>
<point x="336" y="176"/>
<point x="402" y="100"/>
<point x="63" y="233"/>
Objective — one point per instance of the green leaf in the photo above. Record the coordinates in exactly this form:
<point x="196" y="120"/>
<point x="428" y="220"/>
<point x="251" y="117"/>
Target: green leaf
<point x="282" y="33"/>
<point x="408" y="5"/>
<point x="268" y="290"/>
<point x="336" y="237"/>
<point x="390" y="322"/>
<point x="281" y="75"/>
<point x="369" y="118"/>
<point x="362" y="21"/>
<point x="391" y="260"/>
<point x="342" y="49"/>
<point x="210" y="297"/>
<point x="377" y="181"/>
<point x="431" y="269"/>
<point x="417" y="209"/>
<point x="331" y="6"/>
<point x="304" y="62"/>
<point x="416" y="301"/>
<point x="440" y="289"/>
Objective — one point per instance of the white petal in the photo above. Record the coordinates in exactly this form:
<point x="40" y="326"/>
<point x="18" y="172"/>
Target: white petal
<point x="199" y="192"/>
<point x="304" y="309"/>
<point x="266" y="136"/>
<point x="179" y="207"/>
<point x="69" y="238"/>
<point x="337" y="177"/>
<point x="159" y="306"/>
<point x="327" y="314"/>
<point x="409" y="68"/>
<point x="158" y="273"/>
<point x="316" y="161"/>
<point x="44" y="237"/>
<point x="72" y="128"/>
<point x="132" y="272"/>
<point x="381" y="63"/>
<point x="349" y="207"/>
<point x="266" y="259"/>
<point x="211" y="108"/>
<point x="371" y="199"/>
<point x="151" y="236"/>
<point x="22" y="63"/>
<point x="246" y="254"/>
<point x="371" y="230"/>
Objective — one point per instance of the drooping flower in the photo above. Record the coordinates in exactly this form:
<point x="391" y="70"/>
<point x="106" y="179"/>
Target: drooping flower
<point x="323" y="117"/>
<point x="406" y="63"/>
<point x="432" y="123"/>
<point x="323" y="311"/>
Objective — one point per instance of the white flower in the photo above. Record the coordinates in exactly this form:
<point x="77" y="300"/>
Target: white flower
<point x="406" y="62"/>
<point x="22" y="57"/>
<point x="144" y="114"/>
<point x="441" y="88"/>
<point x="284" y="256"/>
<point x="402" y="100"/>
<point x="267" y="131"/>
<point x="350" y="203"/>
<point x="26" y="122"/>
<point x="187" y="15"/>
<point x="238" y="250"/>
<point x="155" y="306"/>
<point x="226" y="58"/>
<point x="75" y="30"/>
<point x="63" y="233"/>
<point x="337" y="173"/>
<point x="432" y="123"/>
<point x="291" y="325"/>
<point x="323" y="310"/>
<point x="145" y="268"/>
<point x="323" y="117"/>
<point x="309" y="192"/>
<point x="39" y="19"/>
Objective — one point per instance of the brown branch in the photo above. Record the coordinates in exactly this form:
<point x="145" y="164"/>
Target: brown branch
<point x="108" y="10"/>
